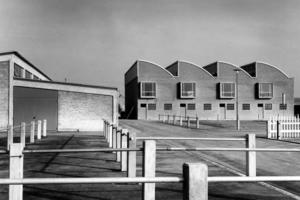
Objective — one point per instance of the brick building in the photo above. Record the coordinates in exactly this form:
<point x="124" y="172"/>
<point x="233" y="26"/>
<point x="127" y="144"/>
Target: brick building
<point x="208" y="92"/>
<point x="27" y="93"/>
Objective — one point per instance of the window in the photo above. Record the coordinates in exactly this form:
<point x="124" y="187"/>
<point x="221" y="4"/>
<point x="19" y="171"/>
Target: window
<point x="167" y="106"/>
<point x="27" y="75"/>
<point x="230" y="106"/>
<point x="151" y="106"/>
<point x="268" y="106"/>
<point x="265" y="90"/>
<point x="283" y="106"/>
<point x="35" y="77"/>
<point x="222" y="105"/>
<point x="246" y="106"/>
<point x="143" y="105"/>
<point x="187" y="90"/>
<point x="18" y="71"/>
<point x="227" y="90"/>
<point x="183" y="105"/>
<point x="260" y="105"/>
<point x="207" y="106"/>
<point x="148" y="90"/>
<point x="191" y="106"/>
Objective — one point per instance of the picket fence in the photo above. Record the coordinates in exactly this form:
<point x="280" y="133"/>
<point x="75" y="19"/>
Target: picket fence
<point x="283" y="127"/>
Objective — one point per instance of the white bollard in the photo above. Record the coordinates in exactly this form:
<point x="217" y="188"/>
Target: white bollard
<point x="16" y="162"/>
<point x="109" y="130"/>
<point x="39" y="129"/>
<point x="32" y="130"/>
<point x="195" y="185"/>
<point x="131" y="155"/>
<point x="149" y="165"/>
<point x="188" y="123"/>
<point x="114" y="138"/>
<point x="197" y="123"/>
<point x="118" y="154"/>
<point x="180" y="121"/>
<point x="44" y="128"/>
<point x="10" y="136"/>
<point x="251" y="155"/>
<point x="124" y="145"/>
<point x="23" y="134"/>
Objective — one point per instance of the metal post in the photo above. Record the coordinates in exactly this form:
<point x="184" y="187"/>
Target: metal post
<point x="159" y="117"/>
<point x="180" y="121"/>
<point x="279" y="128"/>
<point x="131" y="155"/>
<point x="10" y="136"/>
<point x="39" y="130"/>
<point x="44" y="128"/>
<point x="197" y="123"/>
<point x="168" y="119"/>
<point x="16" y="163"/>
<point x="118" y="153"/>
<point x="149" y="165"/>
<point x="23" y="134"/>
<point x="251" y="155"/>
<point x="195" y="185"/>
<point x="124" y="140"/>
<point x="109" y="129"/>
<point x="188" y="123"/>
<point x="32" y="127"/>
<point x="174" y="119"/>
<point x="114" y="137"/>
<point x="237" y="98"/>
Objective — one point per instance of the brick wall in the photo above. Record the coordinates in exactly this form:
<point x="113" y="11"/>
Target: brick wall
<point x="83" y="111"/>
<point x="4" y="85"/>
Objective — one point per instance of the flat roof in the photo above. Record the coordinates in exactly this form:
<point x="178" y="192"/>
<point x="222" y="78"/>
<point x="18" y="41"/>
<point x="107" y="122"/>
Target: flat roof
<point x="67" y="83"/>
<point x="25" y="60"/>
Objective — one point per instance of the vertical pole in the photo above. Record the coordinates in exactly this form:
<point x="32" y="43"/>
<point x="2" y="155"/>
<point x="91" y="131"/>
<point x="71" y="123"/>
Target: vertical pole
<point x="159" y="117"/>
<point x="195" y="185"/>
<point x="44" y="128"/>
<point x="39" y="130"/>
<point x="168" y="119"/>
<point x="237" y="99"/>
<point x="109" y="129"/>
<point x="197" y="122"/>
<point x="124" y="145"/>
<point x="131" y="155"/>
<point x="32" y="127"/>
<point x="10" y="136"/>
<point x="180" y="121"/>
<point x="114" y="137"/>
<point x="23" y="134"/>
<point x="16" y="170"/>
<point x="251" y="155"/>
<point x="279" y="135"/>
<point x="119" y="135"/>
<point x="174" y="119"/>
<point x="149" y="165"/>
<point x="188" y="123"/>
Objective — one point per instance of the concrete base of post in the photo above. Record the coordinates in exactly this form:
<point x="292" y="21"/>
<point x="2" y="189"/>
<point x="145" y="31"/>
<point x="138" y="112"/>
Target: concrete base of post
<point x="195" y="186"/>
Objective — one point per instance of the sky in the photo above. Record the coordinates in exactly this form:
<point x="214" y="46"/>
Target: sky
<point x="96" y="41"/>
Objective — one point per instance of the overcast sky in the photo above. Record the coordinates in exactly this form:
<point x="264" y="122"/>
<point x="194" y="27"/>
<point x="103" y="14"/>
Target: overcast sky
<point x="95" y="42"/>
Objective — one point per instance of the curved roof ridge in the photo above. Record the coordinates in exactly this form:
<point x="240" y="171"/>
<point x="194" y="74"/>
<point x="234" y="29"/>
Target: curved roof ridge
<point x="273" y="67"/>
<point x="183" y="61"/>
<point x="220" y="61"/>
<point x="157" y="66"/>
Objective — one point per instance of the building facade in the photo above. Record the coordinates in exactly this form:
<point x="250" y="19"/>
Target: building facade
<point x="26" y="93"/>
<point x="210" y="92"/>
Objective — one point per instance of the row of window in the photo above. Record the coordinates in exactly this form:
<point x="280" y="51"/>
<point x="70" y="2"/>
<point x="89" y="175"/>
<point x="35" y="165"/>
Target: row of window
<point x="208" y="106"/>
<point x="188" y="90"/>
<point x="20" y="72"/>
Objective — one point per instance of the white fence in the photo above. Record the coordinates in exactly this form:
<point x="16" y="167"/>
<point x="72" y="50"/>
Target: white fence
<point x="283" y="127"/>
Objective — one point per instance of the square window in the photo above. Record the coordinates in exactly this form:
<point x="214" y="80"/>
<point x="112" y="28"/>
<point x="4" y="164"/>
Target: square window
<point x="183" y="105"/>
<point x="265" y="90"/>
<point x="143" y="105"/>
<point x="148" y="90"/>
<point x="35" y="77"/>
<point x="191" y="106"/>
<point x="207" y="106"/>
<point x="230" y="106"/>
<point x="283" y="106"/>
<point x="187" y="90"/>
<point x="222" y="105"/>
<point x="27" y="74"/>
<point x="227" y="90"/>
<point x="18" y="71"/>
<point x="151" y="106"/>
<point x="167" y="106"/>
<point x="246" y="106"/>
<point x="268" y="106"/>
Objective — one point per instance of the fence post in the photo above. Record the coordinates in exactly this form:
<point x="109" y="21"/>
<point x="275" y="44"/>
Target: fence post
<point x="188" y="123"/>
<point x="174" y="119"/>
<point x="159" y="117"/>
<point x="110" y="131"/>
<point x="39" y="130"/>
<point x="279" y="128"/>
<point x="251" y="155"/>
<point x="10" y="136"/>
<point x="23" y="134"/>
<point x="119" y="135"/>
<point x="131" y="155"/>
<point x="124" y="145"/>
<point x="114" y="137"/>
<point x="197" y="123"/>
<point x="149" y="165"/>
<point x="32" y="127"/>
<point x="44" y="128"/>
<point x="16" y="170"/>
<point x="180" y="121"/>
<point x="168" y="119"/>
<point x="195" y="185"/>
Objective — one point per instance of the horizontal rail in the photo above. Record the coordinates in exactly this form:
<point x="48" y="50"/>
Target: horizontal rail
<point x="253" y="179"/>
<point x="3" y="151"/>
<point x="190" y="138"/>
<point x="90" y="180"/>
<point x="79" y="150"/>
<point x="225" y="149"/>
